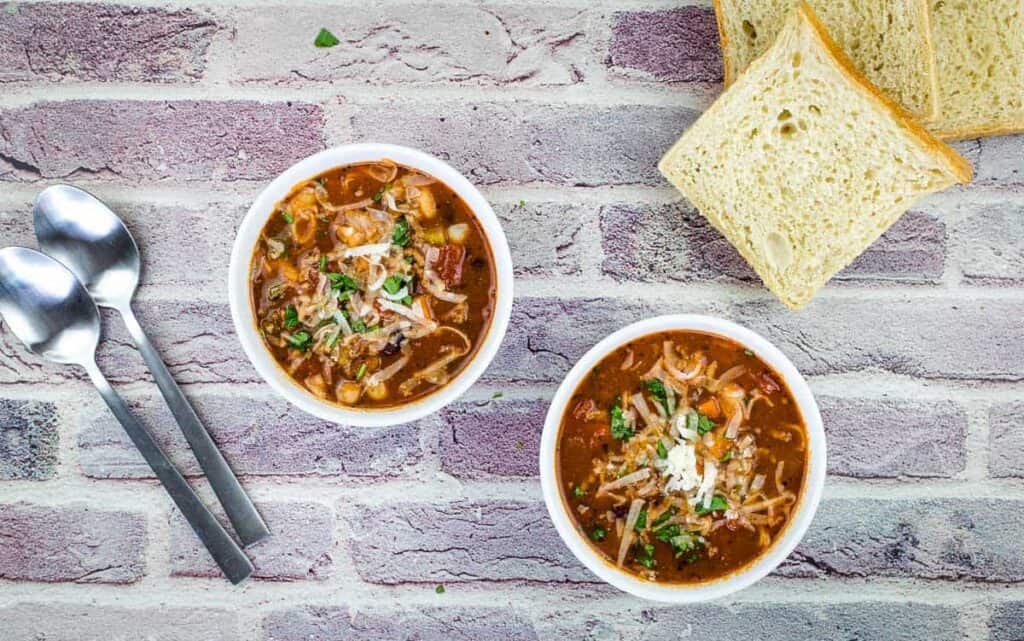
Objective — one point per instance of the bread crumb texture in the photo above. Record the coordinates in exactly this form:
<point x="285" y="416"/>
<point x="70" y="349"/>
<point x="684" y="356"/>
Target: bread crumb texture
<point x="801" y="165"/>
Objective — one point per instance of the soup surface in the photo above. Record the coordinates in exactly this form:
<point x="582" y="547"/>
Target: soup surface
<point x="373" y="284"/>
<point x="680" y="456"/>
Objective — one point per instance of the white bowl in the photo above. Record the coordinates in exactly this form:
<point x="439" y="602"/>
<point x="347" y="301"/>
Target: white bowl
<point x="800" y="518"/>
<point x="241" y="306"/>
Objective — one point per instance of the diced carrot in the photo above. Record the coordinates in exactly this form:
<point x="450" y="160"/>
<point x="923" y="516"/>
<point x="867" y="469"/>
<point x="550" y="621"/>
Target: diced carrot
<point x="709" y="407"/>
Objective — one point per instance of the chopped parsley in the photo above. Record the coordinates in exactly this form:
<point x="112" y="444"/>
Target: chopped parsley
<point x="598" y="533"/>
<point x="400" y="235"/>
<point x="323" y="263"/>
<point x="495" y="396"/>
<point x="358" y="325"/>
<point x="727" y="457"/>
<point x="325" y="39"/>
<point x="287" y="215"/>
<point x="748" y="352"/>
<point x="291" y="317"/>
<point x="641" y="520"/>
<point x="522" y="204"/>
<point x="361" y="372"/>
<point x="704" y="424"/>
<point x="439" y="589"/>
<point x="300" y="340"/>
<point x="662" y="451"/>
<point x="620" y="430"/>
<point x="342" y="282"/>
<point x="579" y="491"/>
<point x="657" y="390"/>
<point x="380" y="192"/>
<point x="718" y="503"/>
<point x="664" y="516"/>
<point x="393" y="283"/>
<point x="644" y="555"/>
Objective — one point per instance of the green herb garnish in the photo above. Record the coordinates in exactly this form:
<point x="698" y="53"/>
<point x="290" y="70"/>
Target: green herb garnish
<point x="439" y="589"/>
<point x="400" y="235"/>
<point x="380" y="192"/>
<point x="748" y="352"/>
<point x="287" y="215"/>
<point x="291" y="317"/>
<point x="704" y="424"/>
<point x="727" y="457"/>
<point x="495" y="396"/>
<point x="664" y="516"/>
<point x="342" y="282"/>
<point x="641" y="520"/>
<point x="323" y="263"/>
<point x="361" y="372"/>
<point x="393" y="284"/>
<point x="718" y="503"/>
<point x="579" y="491"/>
<point x="598" y="533"/>
<point x="325" y="39"/>
<point x="657" y="390"/>
<point x="662" y="451"/>
<point x="358" y="325"/>
<point x="644" y="555"/>
<point x="299" y="340"/>
<point x="620" y="430"/>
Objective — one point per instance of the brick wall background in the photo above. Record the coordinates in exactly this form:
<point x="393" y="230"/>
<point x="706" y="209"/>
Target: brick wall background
<point x="178" y="114"/>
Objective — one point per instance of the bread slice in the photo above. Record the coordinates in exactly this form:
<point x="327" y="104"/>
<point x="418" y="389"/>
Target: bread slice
<point x="888" y="40"/>
<point x="802" y="163"/>
<point x="979" y="51"/>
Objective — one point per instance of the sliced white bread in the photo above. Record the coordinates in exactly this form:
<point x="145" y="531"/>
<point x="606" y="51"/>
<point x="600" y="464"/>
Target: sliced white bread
<point x="979" y="52"/>
<point x="802" y="163"/>
<point x="888" y="40"/>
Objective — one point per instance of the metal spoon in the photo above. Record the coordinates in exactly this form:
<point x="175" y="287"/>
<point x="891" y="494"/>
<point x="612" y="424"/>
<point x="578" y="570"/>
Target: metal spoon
<point x="46" y="307"/>
<point x="80" y="231"/>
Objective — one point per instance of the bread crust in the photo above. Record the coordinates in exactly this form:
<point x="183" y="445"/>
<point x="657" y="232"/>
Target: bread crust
<point x="956" y="164"/>
<point x="925" y="11"/>
<point x="977" y="132"/>
<point x="728" y="72"/>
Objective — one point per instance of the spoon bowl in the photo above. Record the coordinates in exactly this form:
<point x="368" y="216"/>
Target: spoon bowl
<point x="80" y="231"/>
<point x="46" y="307"/>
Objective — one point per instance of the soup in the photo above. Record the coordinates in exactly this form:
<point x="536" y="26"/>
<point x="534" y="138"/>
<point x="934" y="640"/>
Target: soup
<point x="372" y="284"/>
<point x="680" y="457"/>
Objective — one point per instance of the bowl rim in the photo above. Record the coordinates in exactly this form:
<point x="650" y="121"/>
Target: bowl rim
<point x="806" y="505"/>
<point x="239" y="295"/>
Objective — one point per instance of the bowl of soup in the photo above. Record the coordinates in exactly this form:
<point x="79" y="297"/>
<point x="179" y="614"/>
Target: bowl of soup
<point x="682" y="458"/>
<point x="370" y="284"/>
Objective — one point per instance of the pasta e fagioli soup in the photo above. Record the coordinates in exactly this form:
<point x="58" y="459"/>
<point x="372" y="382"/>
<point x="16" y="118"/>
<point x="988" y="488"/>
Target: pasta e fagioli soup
<point x="372" y="284"/>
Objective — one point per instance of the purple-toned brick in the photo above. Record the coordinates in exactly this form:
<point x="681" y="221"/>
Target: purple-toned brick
<point x="496" y="438"/>
<point x="950" y="539"/>
<point x="46" y="42"/>
<point x="674" y="45"/>
<point x="494" y="44"/>
<point x="546" y="239"/>
<point x="578" y="145"/>
<point x="440" y="623"/>
<point x="1006" y="440"/>
<point x="986" y="239"/>
<point x="1007" y="622"/>
<point x="996" y="160"/>
<point x="71" y="543"/>
<point x="28" y="440"/>
<point x="299" y="547"/>
<point x="58" y="621"/>
<point x="156" y="140"/>
<point x="263" y="436"/>
<point x="459" y="541"/>
<point x="922" y="438"/>
<point x="674" y="242"/>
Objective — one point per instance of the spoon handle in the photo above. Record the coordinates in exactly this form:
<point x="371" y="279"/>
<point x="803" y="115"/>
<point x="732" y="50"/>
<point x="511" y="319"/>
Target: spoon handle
<point x="241" y="512"/>
<point x="231" y="559"/>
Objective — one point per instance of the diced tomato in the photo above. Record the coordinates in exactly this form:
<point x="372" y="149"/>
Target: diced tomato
<point x="767" y="382"/>
<point x="448" y="264"/>
<point x="586" y="410"/>
<point x="601" y="435"/>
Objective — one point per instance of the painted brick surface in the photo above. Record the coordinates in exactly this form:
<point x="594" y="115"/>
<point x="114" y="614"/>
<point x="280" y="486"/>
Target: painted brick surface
<point x="1006" y="440"/>
<point x="156" y="140"/>
<point x="389" y="44"/>
<point x="922" y="438"/>
<point x="71" y="544"/>
<point x="551" y="237"/>
<point x="426" y="624"/>
<point x="28" y="440"/>
<point x="675" y="243"/>
<point x="1007" y="623"/>
<point x="996" y="160"/>
<point x="259" y="437"/>
<point x="300" y="546"/>
<point x="573" y="145"/>
<point x="459" y="541"/>
<point x="64" y="622"/>
<point x="987" y="241"/>
<point x="677" y="45"/>
<point x="497" y="438"/>
<point x="949" y="539"/>
<point x="77" y="41"/>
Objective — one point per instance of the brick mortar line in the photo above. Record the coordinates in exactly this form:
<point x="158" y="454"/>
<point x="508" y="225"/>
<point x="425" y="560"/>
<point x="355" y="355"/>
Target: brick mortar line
<point x="978" y="456"/>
